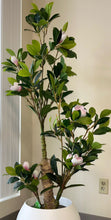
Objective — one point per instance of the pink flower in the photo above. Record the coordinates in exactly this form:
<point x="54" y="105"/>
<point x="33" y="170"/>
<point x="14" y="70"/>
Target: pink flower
<point x="26" y="165"/>
<point x="76" y="160"/>
<point x="35" y="174"/>
<point x="63" y="37"/>
<point x="16" y="87"/>
<point x="81" y="108"/>
<point x="14" y="60"/>
<point x="69" y="156"/>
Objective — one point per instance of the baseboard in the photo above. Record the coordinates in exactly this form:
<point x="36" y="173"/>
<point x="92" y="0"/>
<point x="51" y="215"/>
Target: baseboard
<point x="92" y="217"/>
<point x="83" y="217"/>
<point x="10" y="217"/>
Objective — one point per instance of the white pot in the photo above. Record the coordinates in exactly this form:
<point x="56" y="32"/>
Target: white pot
<point x="69" y="212"/>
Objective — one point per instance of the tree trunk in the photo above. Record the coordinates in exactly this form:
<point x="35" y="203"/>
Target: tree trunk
<point x="49" y="201"/>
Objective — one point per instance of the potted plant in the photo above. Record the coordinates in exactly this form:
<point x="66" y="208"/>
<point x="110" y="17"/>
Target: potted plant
<point x="46" y="91"/>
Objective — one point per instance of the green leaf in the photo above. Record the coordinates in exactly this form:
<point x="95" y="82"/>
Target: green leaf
<point x="35" y="7"/>
<point x="67" y="53"/>
<point x="24" y="73"/>
<point x="11" y="52"/>
<point x="13" y="179"/>
<point x="92" y="112"/>
<point x="90" y="158"/>
<point x="24" y="55"/>
<point x="45" y="110"/>
<point x="24" y="66"/>
<point x="84" y="120"/>
<point x="43" y="50"/>
<point x="34" y="49"/>
<point x="30" y="19"/>
<point x="53" y="163"/>
<point x="56" y="33"/>
<point x="59" y="90"/>
<point x="48" y="8"/>
<point x="75" y="115"/>
<point x="64" y="29"/>
<point x="68" y="43"/>
<point x="19" y="54"/>
<point x="51" y="79"/>
<point x="18" y="184"/>
<point x="50" y="59"/>
<point x="102" y="130"/>
<point x="96" y="145"/>
<point x="74" y="185"/>
<point x="105" y="113"/>
<point x="37" y="64"/>
<point x="42" y="22"/>
<point x="54" y="17"/>
<point x="90" y="138"/>
<point x="103" y="120"/>
<point x="11" y="80"/>
<point x="10" y="171"/>
<point x="18" y="170"/>
<point x="64" y="154"/>
<point x="33" y="167"/>
<point x="46" y="189"/>
<point x="69" y="71"/>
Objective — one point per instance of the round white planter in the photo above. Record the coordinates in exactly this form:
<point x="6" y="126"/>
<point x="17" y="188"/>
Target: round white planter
<point x="68" y="212"/>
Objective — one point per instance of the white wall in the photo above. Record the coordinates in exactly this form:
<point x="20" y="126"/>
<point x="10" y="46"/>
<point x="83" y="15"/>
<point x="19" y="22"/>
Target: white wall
<point x="89" y="22"/>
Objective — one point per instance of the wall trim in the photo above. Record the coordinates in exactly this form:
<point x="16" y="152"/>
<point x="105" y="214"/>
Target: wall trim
<point x="82" y="215"/>
<point x="92" y="217"/>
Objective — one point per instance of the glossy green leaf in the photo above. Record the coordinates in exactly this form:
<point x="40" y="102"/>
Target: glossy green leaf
<point x="75" y="115"/>
<point x="50" y="59"/>
<point x="18" y="170"/>
<point x="90" y="138"/>
<point x="84" y="120"/>
<point x="48" y="188"/>
<point x="13" y="179"/>
<point x="10" y="171"/>
<point x="24" y="73"/>
<point x="60" y="88"/>
<point x="96" y="145"/>
<point x="24" y="66"/>
<point x="24" y="55"/>
<point x="11" y="80"/>
<point x="11" y="52"/>
<point x="105" y="113"/>
<point x="37" y="64"/>
<point x="64" y="29"/>
<point x="102" y="130"/>
<point x="54" y="164"/>
<point x="54" y="17"/>
<point x="68" y="43"/>
<point x="35" y="7"/>
<point x="18" y="184"/>
<point x="92" y="112"/>
<point x="73" y="185"/>
<point x="55" y="34"/>
<point x="103" y="120"/>
<point x="48" y="8"/>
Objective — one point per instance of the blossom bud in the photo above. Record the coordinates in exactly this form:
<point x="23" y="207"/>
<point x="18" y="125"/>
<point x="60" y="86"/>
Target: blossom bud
<point x="69" y="156"/>
<point x="81" y="109"/>
<point x="16" y="87"/>
<point x="14" y="60"/>
<point x="63" y="37"/>
<point x="26" y="165"/>
<point x="76" y="160"/>
<point x="35" y="174"/>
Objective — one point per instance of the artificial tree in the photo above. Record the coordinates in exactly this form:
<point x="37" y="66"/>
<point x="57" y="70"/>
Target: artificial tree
<point x="46" y="89"/>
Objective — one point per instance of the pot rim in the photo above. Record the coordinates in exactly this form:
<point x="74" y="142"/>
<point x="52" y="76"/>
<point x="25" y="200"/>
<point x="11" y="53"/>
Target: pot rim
<point x="63" y="201"/>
